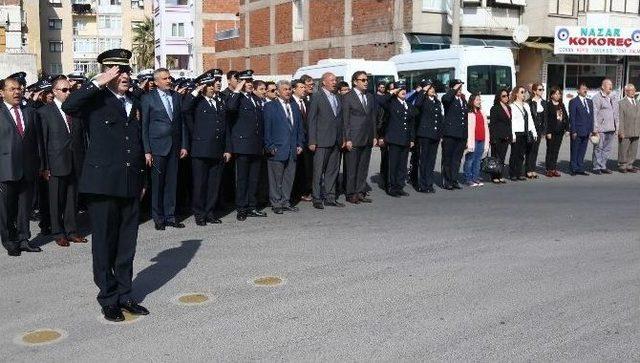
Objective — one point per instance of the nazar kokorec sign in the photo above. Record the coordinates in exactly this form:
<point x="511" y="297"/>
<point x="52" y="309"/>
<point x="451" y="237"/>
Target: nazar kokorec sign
<point x="596" y="40"/>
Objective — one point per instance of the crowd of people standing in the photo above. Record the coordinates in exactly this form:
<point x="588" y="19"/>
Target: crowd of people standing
<point x="108" y="140"/>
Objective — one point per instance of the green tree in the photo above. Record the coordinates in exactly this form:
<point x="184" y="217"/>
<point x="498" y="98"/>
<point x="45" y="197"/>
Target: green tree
<point x="144" y="44"/>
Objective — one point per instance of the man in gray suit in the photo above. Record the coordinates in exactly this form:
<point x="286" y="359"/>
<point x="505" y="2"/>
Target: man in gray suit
<point x="605" y="123"/>
<point x="359" y="117"/>
<point x="629" y="130"/>
<point x="164" y="137"/>
<point x="325" y="140"/>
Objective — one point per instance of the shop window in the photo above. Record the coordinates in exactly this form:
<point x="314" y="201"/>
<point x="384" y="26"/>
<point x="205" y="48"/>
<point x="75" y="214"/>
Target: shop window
<point x="597" y="5"/>
<point x="624" y="6"/>
<point x="591" y="75"/>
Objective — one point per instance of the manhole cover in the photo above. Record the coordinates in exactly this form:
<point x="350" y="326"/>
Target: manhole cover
<point x="268" y="281"/>
<point x="41" y="337"/>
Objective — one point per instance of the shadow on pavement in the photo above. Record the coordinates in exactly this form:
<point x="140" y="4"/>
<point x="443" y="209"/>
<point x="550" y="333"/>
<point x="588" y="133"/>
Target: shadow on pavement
<point x="168" y="264"/>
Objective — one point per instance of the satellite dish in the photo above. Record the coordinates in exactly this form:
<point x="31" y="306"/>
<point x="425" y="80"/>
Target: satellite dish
<point x="521" y="34"/>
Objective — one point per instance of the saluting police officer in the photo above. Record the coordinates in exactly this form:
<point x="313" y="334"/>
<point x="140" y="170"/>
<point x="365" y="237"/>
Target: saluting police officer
<point x="429" y="133"/>
<point x="247" y="132"/>
<point x="205" y="117"/>
<point x="454" y="134"/>
<point x="398" y="134"/>
<point x="112" y="178"/>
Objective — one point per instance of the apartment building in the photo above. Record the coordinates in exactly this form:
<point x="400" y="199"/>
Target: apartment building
<point x="213" y="20"/>
<point x="173" y="22"/>
<point x="74" y="32"/>
<point x="19" y="43"/>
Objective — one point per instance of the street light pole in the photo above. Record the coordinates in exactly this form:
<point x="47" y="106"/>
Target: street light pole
<point x="455" y="22"/>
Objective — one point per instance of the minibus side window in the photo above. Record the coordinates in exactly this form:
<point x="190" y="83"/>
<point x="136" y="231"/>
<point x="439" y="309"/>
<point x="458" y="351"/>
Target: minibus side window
<point x="440" y="77"/>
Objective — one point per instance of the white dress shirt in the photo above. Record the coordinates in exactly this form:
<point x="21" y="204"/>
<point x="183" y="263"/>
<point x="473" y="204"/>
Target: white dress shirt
<point x="287" y="110"/>
<point x="300" y="103"/>
<point x="517" y="119"/>
<point x="13" y="115"/>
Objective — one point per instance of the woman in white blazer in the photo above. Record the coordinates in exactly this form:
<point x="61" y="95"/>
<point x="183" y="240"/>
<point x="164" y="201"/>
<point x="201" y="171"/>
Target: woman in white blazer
<point x="477" y="141"/>
<point x="523" y="131"/>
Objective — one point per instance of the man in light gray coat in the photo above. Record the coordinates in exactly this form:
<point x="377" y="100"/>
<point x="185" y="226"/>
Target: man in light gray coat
<point x="325" y="141"/>
<point x="629" y="130"/>
<point x="605" y="123"/>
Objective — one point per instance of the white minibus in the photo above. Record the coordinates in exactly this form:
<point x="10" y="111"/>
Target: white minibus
<point x="378" y="71"/>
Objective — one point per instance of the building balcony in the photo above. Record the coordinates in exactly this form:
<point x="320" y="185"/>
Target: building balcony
<point x="496" y="18"/>
<point x="83" y="8"/>
<point x="109" y="9"/>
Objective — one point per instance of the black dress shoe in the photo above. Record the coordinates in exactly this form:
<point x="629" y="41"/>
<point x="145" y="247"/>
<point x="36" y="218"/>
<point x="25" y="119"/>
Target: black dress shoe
<point x="595" y="172"/>
<point x="447" y="187"/>
<point x="403" y="193"/>
<point x="334" y="203"/>
<point x="430" y="190"/>
<point x="290" y="209"/>
<point x="241" y="216"/>
<point x="318" y="205"/>
<point x="393" y="194"/>
<point x="213" y="220"/>
<point x="421" y="190"/>
<point x="159" y="226"/>
<point x="112" y="313"/>
<point x="606" y="171"/>
<point x="256" y="213"/>
<point x="14" y="252"/>
<point x="134" y="309"/>
<point x="24" y="246"/>
<point x="175" y="224"/>
<point x="364" y="199"/>
<point x="45" y="231"/>
<point x="276" y="210"/>
<point x="201" y="222"/>
<point x="582" y="173"/>
<point x="522" y="178"/>
<point x="456" y="185"/>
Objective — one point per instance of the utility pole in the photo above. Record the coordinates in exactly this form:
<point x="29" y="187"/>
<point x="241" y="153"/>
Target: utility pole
<point x="455" y="22"/>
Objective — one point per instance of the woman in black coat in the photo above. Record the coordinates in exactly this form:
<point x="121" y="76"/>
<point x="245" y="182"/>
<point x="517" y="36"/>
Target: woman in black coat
<point x="537" y="106"/>
<point x="557" y="126"/>
<point x="500" y="130"/>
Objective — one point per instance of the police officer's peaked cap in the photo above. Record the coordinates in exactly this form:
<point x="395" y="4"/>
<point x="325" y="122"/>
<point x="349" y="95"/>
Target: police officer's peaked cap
<point x="247" y="74"/>
<point x="115" y="57"/>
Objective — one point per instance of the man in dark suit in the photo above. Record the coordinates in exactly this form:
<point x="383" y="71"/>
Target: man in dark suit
<point x="454" y="134"/>
<point x="325" y="140"/>
<point x="581" y="127"/>
<point x="112" y="178"/>
<point x="19" y="168"/>
<point x="247" y="132"/>
<point x="63" y="147"/>
<point x="228" y="189"/>
<point x="283" y="136"/>
<point x="304" y="166"/>
<point x="165" y="138"/>
<point x="359" y="117"/>
<point x="232" y="83"/>
<point x="205" y="116"/>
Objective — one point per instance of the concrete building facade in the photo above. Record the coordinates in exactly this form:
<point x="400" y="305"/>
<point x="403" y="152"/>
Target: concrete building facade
<point x="19" y="41"/>
<point x="74" y="32"/>
<point x="173" y="22"/>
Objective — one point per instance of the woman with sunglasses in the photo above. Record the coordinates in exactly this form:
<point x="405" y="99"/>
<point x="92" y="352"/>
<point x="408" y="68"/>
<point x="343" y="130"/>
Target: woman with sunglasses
<point x="477" y="141"/>
<point x="557" y="126"/>
<point x="523" y="132"/>
<point x="537" y="105"/>
<point x="500" y="130"/>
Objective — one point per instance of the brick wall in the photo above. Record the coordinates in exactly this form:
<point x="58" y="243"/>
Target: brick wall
<point x="375" y="51"/>
<point x="371" y="16"/>
<point x="318" y="54"/>
<point x="261" y="64"/>
<point x="326" y="19"/>
<point x="220" y="6"/>
<point x="288" y="63"/>
<point x="259" y="20"/>
<point x="408" y="14"/>
<point x="233" y="43"/>
<point x="209" y="61"/>
<point x="283" y="23"/>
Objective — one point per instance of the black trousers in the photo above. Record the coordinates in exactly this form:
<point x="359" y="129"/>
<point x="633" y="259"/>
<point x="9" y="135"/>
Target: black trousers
<point x="16" y="203"/>
<point x="207" y="175"/>
<point x="326" y="168"/>
<point x="414" y="165"/>
<point x="115" y="234"/>
<point x="452" y="151"/>
<point x="42" y="201"/>
<point x="303" y="184"/>
<point x="553" y="149"/>
<point x="358" y="160"/>
<point x="428" y="153"/>
<point x="398" y="157"/>
<point x="499" y="151"/>
<point x="532" y="155"/>
<point x="228" y="189"/>
<point x="164" y="186"/>
<point x="518" y="151"/>
<point x="247" y="179"/>
<point x="384" y="167"/>
<point x="62" y="204"/>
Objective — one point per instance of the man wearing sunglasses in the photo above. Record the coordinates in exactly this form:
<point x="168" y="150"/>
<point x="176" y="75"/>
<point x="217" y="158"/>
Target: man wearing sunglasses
<point x="359" y="122"/>
<point x="63" y="152"/>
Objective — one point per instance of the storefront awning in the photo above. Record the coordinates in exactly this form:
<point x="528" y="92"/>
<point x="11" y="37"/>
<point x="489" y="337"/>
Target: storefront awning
<point x="543" y="46"/>
<point x="426" y="39"/>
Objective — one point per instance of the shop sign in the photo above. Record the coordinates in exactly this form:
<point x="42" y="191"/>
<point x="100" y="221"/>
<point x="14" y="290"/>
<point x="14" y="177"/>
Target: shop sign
<point x="594" y="40"/>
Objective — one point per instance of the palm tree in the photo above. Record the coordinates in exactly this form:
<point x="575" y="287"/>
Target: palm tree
<point x="144" y="44"/>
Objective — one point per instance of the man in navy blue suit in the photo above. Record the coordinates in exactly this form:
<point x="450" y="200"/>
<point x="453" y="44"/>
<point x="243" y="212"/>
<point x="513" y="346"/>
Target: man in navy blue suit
<point x="164" y="137"/>
<point x="283" y="140"/>
<point x="581" y="124"/>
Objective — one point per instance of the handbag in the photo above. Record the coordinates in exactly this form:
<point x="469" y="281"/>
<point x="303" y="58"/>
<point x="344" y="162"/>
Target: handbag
<point x="491" y="165"/>
<point x="595" y="139"/>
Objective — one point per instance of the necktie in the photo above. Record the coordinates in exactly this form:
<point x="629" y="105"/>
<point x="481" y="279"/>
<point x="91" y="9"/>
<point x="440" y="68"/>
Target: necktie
<point x="364" y="100"/>
<point x="302" y="109"/>
<point x="19" y="124"/>
<point x="334" y="106"/>
<point x="168" y="105"/>
<point x="212" y="103"/>
<point x="68" y="118"/>
<point x="584" y="101"/>
<point x="633" y="101"/>
<point x="287" y="106"/>
<point x="124" y="104"/>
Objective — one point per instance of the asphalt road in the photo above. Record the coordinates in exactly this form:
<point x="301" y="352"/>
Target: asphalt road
<point x="541" y="270"/>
